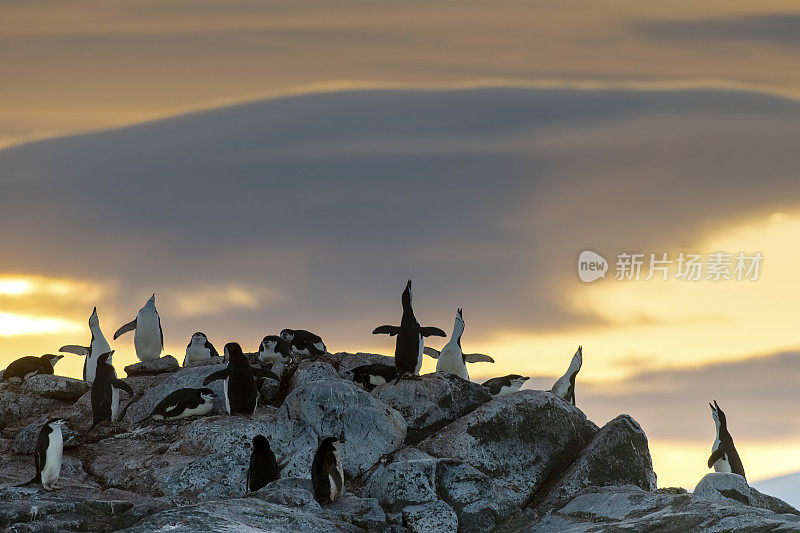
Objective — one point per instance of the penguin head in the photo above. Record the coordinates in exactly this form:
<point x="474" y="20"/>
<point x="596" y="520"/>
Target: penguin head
<point x="718" y="414"/>
<point x="199" y="338"/>
<point x="329" y="444"/>
<point x="56" y="423"/>
<point x="407" y="294"/>
<point x="459" y="323"/>
<point x="93" y="320"/>
<point x="233" y="351"/>
<point x="269" y="342"/>
<point x="52" y="358"/>
<point x="207" y="393"/>
<point x="105" y="358"/>
<point x="579" y="356"/>
<point x="516" y="379"/>
<point x="287" y="335"/>
<point x="152" y="301"/>
<point x="260" y="444"/>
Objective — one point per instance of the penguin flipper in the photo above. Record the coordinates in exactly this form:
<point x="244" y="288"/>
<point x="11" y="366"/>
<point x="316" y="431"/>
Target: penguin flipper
<point x="220" y="374"/>
<point x="74" y="348"/>
<point x="264" y="373"/>
<point x="130" y="326"/>
<point x="118" y="383"/>
<point x="716" y="455"/>
<point x="477" y="358"/>
<point x="211" y="349"/>
<point x="388" y="330"/>
<point x="431" y="351"/>
<point x="431" y="331"/>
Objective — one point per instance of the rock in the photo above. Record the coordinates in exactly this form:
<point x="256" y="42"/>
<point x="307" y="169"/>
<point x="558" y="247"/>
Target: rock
<point x="432" y="517"/>
<point x="519" y="440"/>
<point x="349" y="361"/>
<point x="156" y="366"/>
<point x="191" y="377"/>
<point x="15" y="407"/>
<point x="310" y="370"/>
<point x="338" y="408"/>
<point x="269" y="389"/>
<point x="480" y="503"/>
<point x="407" y="480"/>
<point x="431" y="402"/>
<point x="57" y="387"/>
<point x="25" y="441"/>
<point x="722" y="486"/>
<point x="618" y="455"/>
<point x="362" y="512"/>
<point x="243" y="514"/>
<point x="629" y="508"/>
<point x="206" y="362"/>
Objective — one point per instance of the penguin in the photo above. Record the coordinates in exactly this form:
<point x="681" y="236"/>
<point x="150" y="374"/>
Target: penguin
<point x="564" y="388"/>
<point x="29" y="366"/>
<point x="183" y="403"/>
<point x="724" y="457"/>
<point x="505" y="385"/>
<point x="263" y="465"/>
<point x="49" y="451"/>
<point x="370" y="376"/>
<point x="97" y="345"/>
<point x="241" y="394"/>
<point x="410" y="338"/>
<point x="199" y="349"/>
<point x="451" y="359"/>
<point x="149" y="337"/>
<point x="327" y="475"/>
<point x="105" y="392"/>
<point x="273" y="349"/>
<point x="304" y="342"/>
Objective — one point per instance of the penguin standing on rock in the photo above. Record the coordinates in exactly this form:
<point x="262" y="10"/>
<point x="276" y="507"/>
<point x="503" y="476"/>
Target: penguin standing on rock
<point x="149" y="337"/>
<point x="304" y="342"/>
<point x="564" y="388"/>
<point x="505" y="385"/>
<point x="327" y="474"/>
<point x="49" y="451"/>
<point x="274" y="349"/>
<point x="724" y="457"/>
<point x="29" y="366"/>
<point x="97" y="345"/>
<point x="199" y="349"/>
<point x="410" y="338"/>
<point x="105" y="392"/>
<point x="263" y="465"/>
<point x="452" y="359"/>
<point x="241" y="394"/>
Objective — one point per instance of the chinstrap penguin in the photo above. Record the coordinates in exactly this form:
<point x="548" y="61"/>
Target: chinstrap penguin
<point x="410" y="338"/>
<point x="304" y="342"/>
<point x="564" y="388"/>
<point x="49" y="451"/>
<point x="274" y="349"/>
<point x="97" y="345"/>
<point x="105" y="392"/>
<point x="452" y="359"/>
<point x="29" y="366"/>
<point x="370" y="376"/>
<point x="327" y="474"/>
<point x="505" y="385"/>
<point x="183" y="403"/>
<point x="148" y="338"/>
<point x="724" y="457"/>
<point x="241" y="394"/>
<point x="263" y="465"/>
<point x="199" y="349"/>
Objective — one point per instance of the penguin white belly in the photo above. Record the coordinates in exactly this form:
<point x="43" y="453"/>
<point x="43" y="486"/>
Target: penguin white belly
<point x="202" y="409"/>
<point x="147" y="336"/>
<point x="227" y="400"/>
<point x="266" y="357"/>
<point x="114" y="403"/>
<point x="376" y="380"/>
<point x="335" y="492"/>
<point x="99" y="347"/>
<point x="196" y="353"/>
<point x="452" y="362"/>
<point x="419" y="355"/>
<point x="722" y="464"/>
<point x="52" y="461"/>
<point x="504" y="390"/>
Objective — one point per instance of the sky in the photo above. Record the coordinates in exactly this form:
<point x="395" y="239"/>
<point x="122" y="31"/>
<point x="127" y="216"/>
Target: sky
<point x="265" y="165"/>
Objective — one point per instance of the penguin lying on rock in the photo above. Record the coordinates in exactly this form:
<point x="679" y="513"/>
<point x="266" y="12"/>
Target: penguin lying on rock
<point x="29" y="366"/>
<point x="370" y="376"/>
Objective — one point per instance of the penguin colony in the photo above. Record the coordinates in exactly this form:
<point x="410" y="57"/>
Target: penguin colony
<point x="242" y="380"/>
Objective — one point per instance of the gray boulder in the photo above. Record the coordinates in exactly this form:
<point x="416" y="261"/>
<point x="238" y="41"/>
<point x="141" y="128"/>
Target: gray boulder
<point x="56" y="387"/>
<point x="339" y="409"/>
<point x="15" y="407"/>
<point x="349" y="361"/>
<point x="618" y="455"/>
<point x="432" y="401"/>
<point x="410" y="478"/>
<point x="720" y="486"/>
<point x="161" y="365"/>
<point x="432" y="517"/>
<point x="310" y="370"/>
<point x="519" y="440"/>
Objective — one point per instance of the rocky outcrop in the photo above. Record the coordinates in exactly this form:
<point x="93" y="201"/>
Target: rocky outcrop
<point x="722" y="487"/>
<point x="431" y="402"/>
<point x="432" y="517"/>
<point x="156" y="366"/>
<point x="15" y="407"/>
<point x="56" y="387"/>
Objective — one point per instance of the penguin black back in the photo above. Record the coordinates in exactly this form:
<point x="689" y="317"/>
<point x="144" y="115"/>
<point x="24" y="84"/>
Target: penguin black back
<point x="263" y="465"/>
<point x="241" y="394"/>
<point x="30" y="366"/>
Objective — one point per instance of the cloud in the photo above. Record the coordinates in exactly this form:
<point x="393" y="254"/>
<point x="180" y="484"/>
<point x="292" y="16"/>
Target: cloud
<point x="778" y="29"/>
